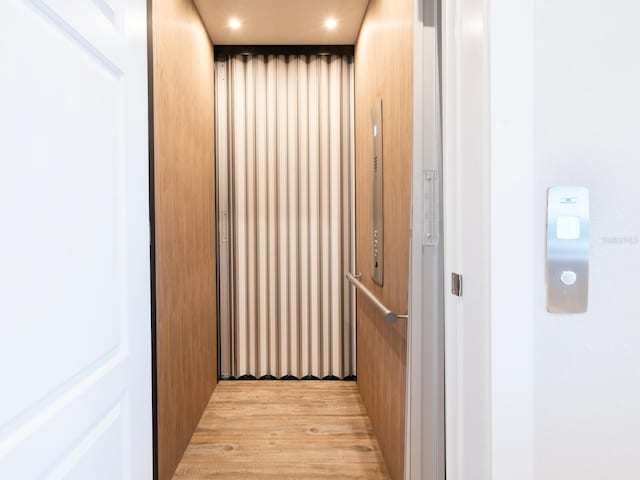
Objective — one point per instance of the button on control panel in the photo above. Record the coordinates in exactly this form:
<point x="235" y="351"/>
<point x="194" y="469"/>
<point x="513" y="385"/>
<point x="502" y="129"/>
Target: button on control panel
<point x="568" y="277"/>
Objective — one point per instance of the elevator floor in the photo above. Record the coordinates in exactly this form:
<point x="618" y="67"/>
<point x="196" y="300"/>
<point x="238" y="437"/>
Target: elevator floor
<point x="303" y="430"/>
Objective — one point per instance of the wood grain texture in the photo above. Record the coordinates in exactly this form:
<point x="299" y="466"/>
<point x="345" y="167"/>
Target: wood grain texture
<point x="384" y="68"/>
<point x="183" y="73"/>
<point x="282" y="430"/>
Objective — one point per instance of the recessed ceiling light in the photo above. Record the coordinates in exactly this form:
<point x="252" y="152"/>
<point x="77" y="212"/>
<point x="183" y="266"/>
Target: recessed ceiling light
<point x="330" y="23"/>
<point x="234" y="23"/>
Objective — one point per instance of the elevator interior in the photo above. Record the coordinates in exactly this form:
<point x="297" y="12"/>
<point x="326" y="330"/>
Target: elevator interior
<point x="299" y="211"/>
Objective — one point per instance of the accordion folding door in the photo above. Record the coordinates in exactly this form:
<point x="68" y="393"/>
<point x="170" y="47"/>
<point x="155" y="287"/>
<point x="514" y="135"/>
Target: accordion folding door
<point x="285" y="156"/>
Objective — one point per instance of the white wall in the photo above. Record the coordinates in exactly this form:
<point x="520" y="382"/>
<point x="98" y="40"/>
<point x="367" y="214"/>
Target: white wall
<point x="513" y="237"/>
<point x="586" y="132"/>
<point x="564" y="108"/>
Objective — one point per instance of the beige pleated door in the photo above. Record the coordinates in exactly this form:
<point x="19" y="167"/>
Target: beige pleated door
<point x="285" y="166"/>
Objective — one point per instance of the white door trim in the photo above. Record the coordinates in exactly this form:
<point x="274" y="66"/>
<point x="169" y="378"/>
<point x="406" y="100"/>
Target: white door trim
<point x="488" y="211"/>
<point x="467" y="238"/>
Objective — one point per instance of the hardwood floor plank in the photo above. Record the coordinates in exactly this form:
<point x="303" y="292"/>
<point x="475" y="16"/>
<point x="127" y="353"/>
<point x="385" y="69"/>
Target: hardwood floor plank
<point x="298" y="427"/>
<point x="234" y="471"/>
<point x="282" y="451"/>
<point x="303" y="430"/>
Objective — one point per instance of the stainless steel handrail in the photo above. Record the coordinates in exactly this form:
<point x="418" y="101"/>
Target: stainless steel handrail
<point x="388" y="315"/>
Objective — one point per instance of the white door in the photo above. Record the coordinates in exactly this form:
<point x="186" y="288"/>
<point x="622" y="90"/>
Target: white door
<point x="75" y="347"/>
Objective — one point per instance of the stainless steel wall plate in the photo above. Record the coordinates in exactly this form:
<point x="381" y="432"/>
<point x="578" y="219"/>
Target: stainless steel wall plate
<point x="567" y="249"/>
<point x="377" y="200"/>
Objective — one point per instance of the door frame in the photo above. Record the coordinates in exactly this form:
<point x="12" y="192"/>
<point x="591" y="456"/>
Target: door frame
<point x="488" y="153"/>
<point x="467" y="238"/>
<point x="425" y="404"/>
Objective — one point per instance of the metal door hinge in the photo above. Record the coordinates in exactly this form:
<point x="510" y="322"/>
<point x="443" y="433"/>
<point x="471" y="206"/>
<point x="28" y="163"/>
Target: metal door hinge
<point x="431" y="208"/>
<point x="456" y="284"/>
<point x="224" y="226"/>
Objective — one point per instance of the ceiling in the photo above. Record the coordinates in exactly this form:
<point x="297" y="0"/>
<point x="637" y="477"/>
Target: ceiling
<point x="282" y="22"/>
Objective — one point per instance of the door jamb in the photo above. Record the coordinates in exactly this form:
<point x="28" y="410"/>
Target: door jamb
<point x="488" y="154"/>
<point x="467" y="214"/>
<point x="424" y="432"/>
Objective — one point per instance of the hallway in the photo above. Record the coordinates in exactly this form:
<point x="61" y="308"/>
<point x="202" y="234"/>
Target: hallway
<point x="284" y="430"/>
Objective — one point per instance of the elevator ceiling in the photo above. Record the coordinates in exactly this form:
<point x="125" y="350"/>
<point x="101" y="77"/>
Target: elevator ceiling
<point x="282" y="22"/>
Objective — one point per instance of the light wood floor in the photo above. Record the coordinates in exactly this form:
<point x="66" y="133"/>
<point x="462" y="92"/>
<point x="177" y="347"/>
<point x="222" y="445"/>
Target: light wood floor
<point x="303" y="430"/>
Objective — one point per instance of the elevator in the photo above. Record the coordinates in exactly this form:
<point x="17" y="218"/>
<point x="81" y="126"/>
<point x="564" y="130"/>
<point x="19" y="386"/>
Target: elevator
<point x="289" y="171"/>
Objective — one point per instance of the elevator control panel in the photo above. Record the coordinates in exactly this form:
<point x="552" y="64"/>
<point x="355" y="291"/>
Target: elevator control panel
<point x="568" y="249"/>
<point x="377" y="229"/>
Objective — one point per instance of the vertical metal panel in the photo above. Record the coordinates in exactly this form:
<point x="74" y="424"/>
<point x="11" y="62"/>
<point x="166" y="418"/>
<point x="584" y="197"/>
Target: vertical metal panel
<point x="314" y="220"/>
<point x="224" y="253"/>
<point x="272" y="217"/>
<point x="262" y="222"/>
<point x="351" y="261"/>
<point x="288" y="148"/>
<point x="303" y="162"/>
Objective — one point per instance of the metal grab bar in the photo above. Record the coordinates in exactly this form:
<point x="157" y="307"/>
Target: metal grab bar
<point x="388" y="315"/>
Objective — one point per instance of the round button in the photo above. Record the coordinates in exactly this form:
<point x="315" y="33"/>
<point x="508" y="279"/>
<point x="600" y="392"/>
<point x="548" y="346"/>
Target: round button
<point x="568" y="277"/>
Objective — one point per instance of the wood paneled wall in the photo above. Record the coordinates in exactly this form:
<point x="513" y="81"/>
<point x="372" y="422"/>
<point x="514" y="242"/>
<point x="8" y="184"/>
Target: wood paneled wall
<point x="183" y="111"/>
<point x="384" y="68"/>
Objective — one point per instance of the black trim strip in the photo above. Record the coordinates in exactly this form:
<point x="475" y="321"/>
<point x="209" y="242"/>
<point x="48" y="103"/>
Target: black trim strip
<point x="152" y="240"/>
<point x="223" y="51"/>
<point x="349" y="378"/>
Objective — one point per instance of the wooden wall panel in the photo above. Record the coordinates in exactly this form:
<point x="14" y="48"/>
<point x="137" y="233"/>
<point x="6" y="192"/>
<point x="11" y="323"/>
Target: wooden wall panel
<point x="183" y="82"/>
<point x="383" y="64"/>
